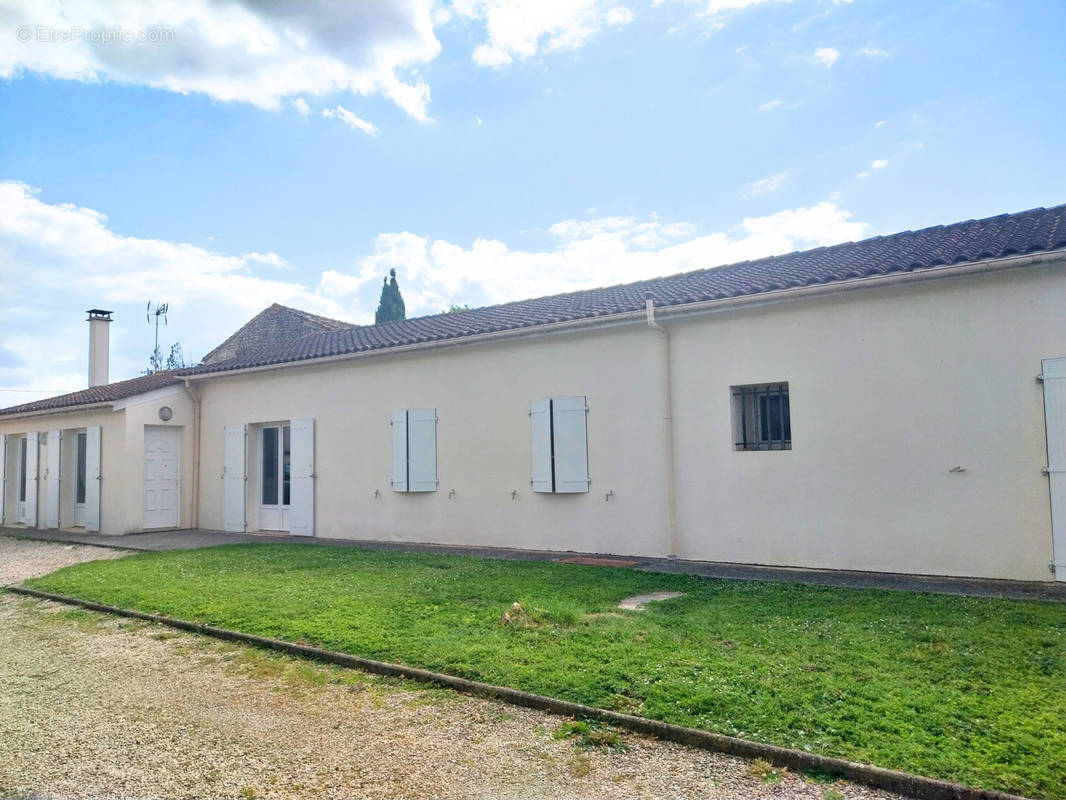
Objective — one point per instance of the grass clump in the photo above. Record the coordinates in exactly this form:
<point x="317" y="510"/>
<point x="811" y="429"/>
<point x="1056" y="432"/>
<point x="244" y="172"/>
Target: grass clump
<point x="963" y="689"/>
<point x="765" y="772"/>
<point x="591" y="735"/>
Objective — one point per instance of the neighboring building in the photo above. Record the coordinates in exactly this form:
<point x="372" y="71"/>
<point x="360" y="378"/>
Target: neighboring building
<point x="269" y="328"/>
<point x="869" y="406"/>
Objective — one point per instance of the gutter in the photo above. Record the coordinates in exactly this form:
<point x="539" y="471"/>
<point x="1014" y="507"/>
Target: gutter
<point x="701" y="307"/>
<point x="195" y="454"/>
<point x="668" y="429"/>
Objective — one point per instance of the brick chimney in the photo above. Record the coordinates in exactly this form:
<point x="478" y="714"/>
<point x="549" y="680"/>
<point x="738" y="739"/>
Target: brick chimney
<point x="99" y="346"/>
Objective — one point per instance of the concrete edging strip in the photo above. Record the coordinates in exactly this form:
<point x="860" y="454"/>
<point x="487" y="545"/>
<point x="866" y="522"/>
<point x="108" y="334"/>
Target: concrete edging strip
<point x="796" y="760"/>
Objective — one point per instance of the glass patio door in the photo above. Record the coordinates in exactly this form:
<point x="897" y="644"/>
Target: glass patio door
<point x="274" y="477"/>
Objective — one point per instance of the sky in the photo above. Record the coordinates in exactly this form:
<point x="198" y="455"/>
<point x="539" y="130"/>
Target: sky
<point x="223" y="156"/>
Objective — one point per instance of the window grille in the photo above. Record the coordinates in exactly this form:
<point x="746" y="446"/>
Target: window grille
<point x="761" y="419"/>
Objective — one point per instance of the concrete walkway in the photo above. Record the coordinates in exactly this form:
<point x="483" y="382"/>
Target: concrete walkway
<point x="194" y="539"/>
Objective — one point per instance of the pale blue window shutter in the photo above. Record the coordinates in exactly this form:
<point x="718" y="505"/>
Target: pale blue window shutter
<point x="422" y="449"/>
<point x="302" y="477"/>
<point x="540" y="445"/>
<point x="570" y="444"/>
<point x="399" y="451"/>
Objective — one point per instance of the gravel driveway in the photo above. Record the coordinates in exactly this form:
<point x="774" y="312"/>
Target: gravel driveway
<point x="94" y="706"/>
<point x="23" y="558"/>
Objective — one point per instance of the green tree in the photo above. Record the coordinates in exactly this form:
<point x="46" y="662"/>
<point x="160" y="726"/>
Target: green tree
<point x="453" y="308"/>
<point x="391" y="306"/>
<point x="155" y="361"/>
<point x="176" y="359"/>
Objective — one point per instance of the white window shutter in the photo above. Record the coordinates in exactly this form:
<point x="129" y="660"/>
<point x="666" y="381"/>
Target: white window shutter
<point x="302" y="478"/>
<point x="570" y="444"/>
<point x="51" y="479"/>
<point x="92" y="478"/>
<point x="233" y="477"/>
<point x="422" y="449"/>
<point x="3" y="475"/>
<point x="31" y="480"/>
<point x="540" y="445"/>
<point x="1054" y="379"/>
<point x="399" y="451"/>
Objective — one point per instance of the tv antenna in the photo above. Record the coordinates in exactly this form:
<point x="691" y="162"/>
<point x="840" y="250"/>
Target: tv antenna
<point x="160" y="310"/>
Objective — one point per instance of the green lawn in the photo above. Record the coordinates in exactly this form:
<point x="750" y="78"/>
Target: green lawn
<point x="964" y="689"/>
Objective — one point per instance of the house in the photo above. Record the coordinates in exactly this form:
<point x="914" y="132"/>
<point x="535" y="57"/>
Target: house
<point x="895" y="405"/>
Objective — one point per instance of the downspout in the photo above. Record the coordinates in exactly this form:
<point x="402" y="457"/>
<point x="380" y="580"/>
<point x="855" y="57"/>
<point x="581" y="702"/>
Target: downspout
<point x="195" y="454"/>
<point x="668" y="429"/>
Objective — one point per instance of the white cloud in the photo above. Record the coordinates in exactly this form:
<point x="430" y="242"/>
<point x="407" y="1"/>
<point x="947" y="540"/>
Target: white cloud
<point x="589" y="253"/>
<point x="350" y="119"/>
<point x="58" y="259"/>
<point x="522" y="28"/>
<point x="720" y="6"/>
<point x="301" y="106"/>
<point x="873" y="52"/>
<point x="240" y="51"/>
<point x="771" y="104"/>
<point x="766" y="185"/>
<point x="827" y="56"/>
<point x="269" y="259"/>
<point x="878" y="164"/>
<point x="879" y="123"/>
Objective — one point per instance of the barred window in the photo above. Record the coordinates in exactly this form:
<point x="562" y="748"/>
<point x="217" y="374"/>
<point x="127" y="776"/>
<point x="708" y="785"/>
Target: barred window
<point x="761" y="417"/>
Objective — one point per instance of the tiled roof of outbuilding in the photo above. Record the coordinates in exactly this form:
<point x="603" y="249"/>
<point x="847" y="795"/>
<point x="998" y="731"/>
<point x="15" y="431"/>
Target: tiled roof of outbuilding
<point x="1037" y="230"/>
<point x="107" y="393"/>
<point x="1034" y="231"/>
<point x="271" y="326"/>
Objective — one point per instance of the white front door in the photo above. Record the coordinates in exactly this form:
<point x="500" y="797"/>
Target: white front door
<point x="274" y="478"/>
<point x="162" y="470"/>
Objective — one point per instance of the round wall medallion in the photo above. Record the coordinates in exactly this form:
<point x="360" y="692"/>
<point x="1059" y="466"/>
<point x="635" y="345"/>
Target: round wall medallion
<point x="165" y="413"/>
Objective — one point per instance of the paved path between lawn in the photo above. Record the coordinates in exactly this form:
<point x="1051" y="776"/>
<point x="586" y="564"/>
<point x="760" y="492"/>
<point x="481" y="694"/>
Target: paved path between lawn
<point x="193" y="539"/>
<point x="93" y="706"/>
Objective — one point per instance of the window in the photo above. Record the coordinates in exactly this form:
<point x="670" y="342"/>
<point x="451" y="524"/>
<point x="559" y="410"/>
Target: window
<point x="22" y="469"/>
<point x="559" y="445"/>
<point x="414" y="450"/>
<point x="276" y="465"/>
<point x="79" y="479"/>
<point x="761" y="417"/>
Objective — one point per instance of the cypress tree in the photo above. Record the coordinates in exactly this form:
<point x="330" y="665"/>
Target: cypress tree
<point x="391" y="305"/>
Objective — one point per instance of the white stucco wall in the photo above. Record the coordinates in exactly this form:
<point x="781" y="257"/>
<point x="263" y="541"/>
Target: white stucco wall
<point x="121" y="458"/>
<point x="889" y="388"/>
<point x="142" y="411"/>
<point x="482" y="396"/>
<point x="114" y="477"/>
